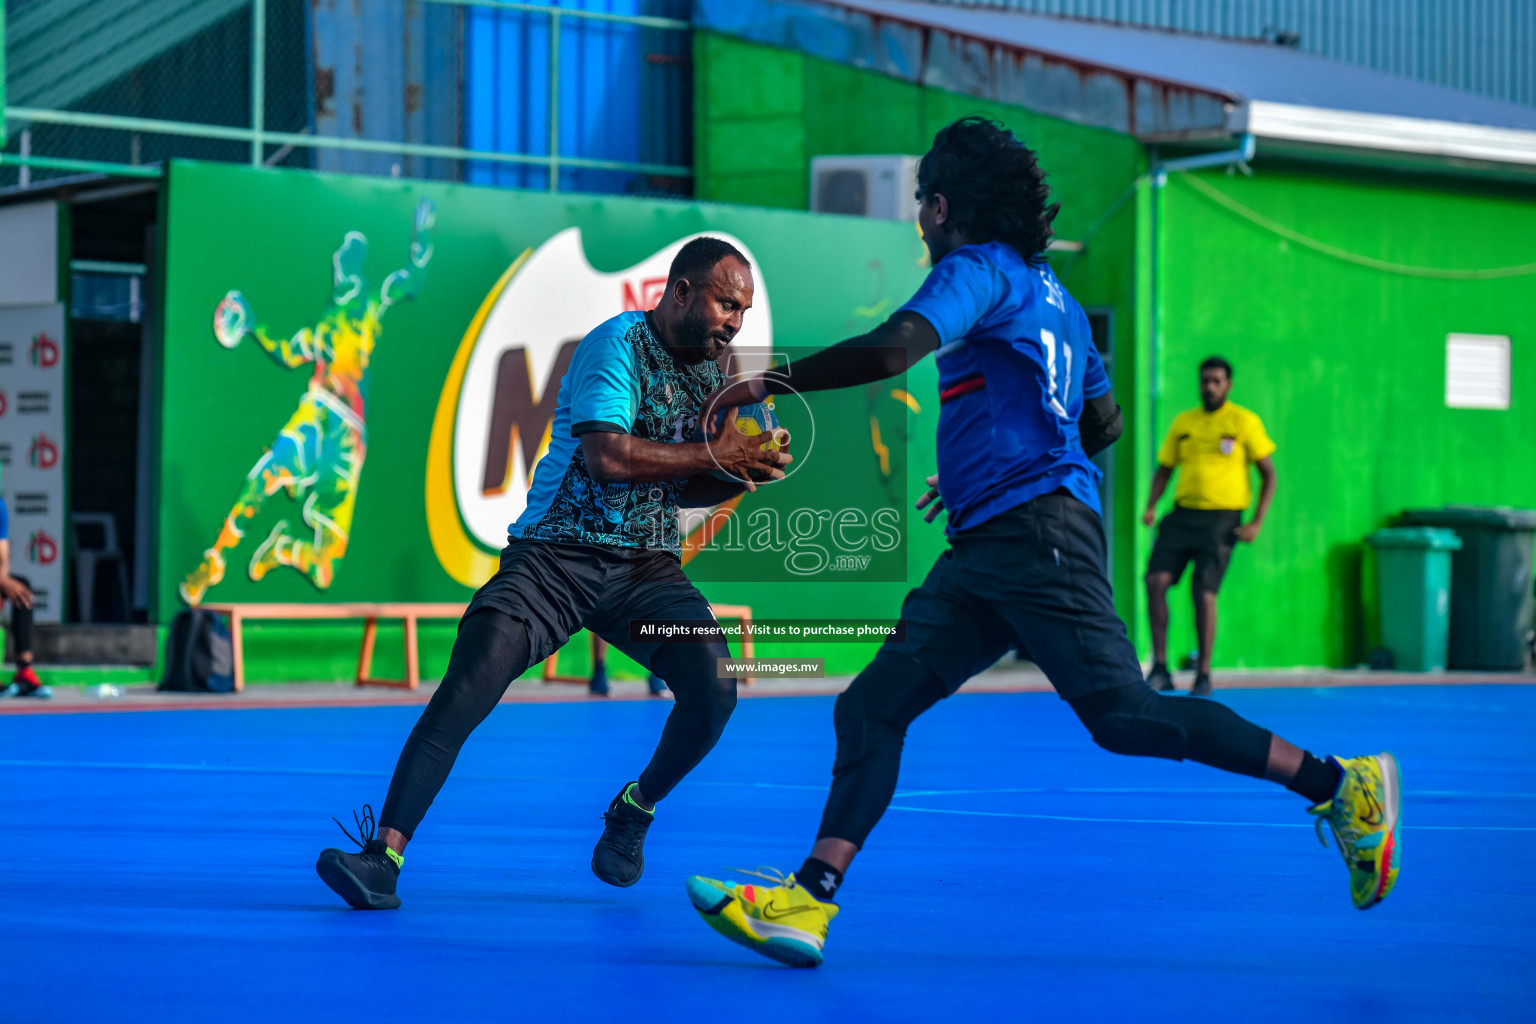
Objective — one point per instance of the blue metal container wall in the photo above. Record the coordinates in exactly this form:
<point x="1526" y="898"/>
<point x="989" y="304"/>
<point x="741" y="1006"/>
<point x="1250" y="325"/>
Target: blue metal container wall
<point x="386" y="72"/>
<point x="1482" y="46"/>
<point x="616" y="94"/>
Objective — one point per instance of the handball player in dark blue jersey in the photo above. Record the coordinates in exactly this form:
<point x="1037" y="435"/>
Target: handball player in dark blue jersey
<point x="1024" y="405"/>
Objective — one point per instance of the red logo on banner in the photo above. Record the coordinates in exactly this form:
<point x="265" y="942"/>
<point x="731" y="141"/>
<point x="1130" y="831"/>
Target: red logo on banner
<point x="43" y="454"/>
<point x="3" y="403"/>
<point x="651" y="290"/>
<point x="42" y="549"/>
<point x="44" y="351"/>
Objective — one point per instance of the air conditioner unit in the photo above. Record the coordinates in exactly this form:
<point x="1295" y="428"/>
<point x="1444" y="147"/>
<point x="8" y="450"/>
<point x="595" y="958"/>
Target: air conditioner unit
<point x="865" y="186"/>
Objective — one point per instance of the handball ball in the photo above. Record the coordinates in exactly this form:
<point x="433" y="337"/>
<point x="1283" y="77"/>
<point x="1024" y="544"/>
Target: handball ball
<point x="753" y="420"/>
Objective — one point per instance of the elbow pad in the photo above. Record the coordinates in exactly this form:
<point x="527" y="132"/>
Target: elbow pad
<point x="1101" y="424"/>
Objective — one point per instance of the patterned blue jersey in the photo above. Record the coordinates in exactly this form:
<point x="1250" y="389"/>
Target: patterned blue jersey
<point x="622" y="379"/>
<point x="1016" y="362"/>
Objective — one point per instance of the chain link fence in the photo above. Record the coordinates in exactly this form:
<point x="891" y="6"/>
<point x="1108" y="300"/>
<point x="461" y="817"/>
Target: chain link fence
<point x="591" y="97"/>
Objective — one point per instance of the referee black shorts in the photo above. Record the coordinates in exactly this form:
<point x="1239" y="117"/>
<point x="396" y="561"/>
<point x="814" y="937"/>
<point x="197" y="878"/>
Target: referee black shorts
<point x="1205" y="536"/>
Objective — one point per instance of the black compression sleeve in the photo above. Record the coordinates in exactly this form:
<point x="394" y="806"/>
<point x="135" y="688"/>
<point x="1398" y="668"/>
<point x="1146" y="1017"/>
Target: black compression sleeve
<point x="889" y="349"/>
<point x="1100" y="423"/>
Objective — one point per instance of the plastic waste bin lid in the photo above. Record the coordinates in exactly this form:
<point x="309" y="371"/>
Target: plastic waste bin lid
<point x="1425" y="538"/>
<point x="1473" y="516"/>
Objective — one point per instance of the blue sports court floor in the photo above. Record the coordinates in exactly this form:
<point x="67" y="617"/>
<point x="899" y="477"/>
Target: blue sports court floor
<point x="159" y="866"/>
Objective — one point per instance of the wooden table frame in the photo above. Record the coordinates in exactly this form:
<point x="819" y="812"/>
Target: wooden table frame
<point x="408" y="613"/>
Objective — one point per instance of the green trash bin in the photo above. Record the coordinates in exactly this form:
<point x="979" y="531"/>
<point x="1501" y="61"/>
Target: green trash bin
<point x="1413" y="577"/>
<point x="1491" y="588"/>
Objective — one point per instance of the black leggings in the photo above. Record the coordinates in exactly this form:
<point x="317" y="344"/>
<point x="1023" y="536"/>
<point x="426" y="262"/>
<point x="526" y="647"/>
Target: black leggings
<point x="872" y="716"/>
<point x="492" y="649"/>
<point x="21" y="623"/>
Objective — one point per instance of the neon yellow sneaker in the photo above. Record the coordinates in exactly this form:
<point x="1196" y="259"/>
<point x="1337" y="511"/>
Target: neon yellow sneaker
<point x="783" y="922"/>
<point x="1363" y="815"/>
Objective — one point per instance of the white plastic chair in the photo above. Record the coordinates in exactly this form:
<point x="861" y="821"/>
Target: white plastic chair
<point x="95" y="536"/>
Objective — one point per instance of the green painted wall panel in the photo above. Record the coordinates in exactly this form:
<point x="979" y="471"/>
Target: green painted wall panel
<point x="780" y="148"/>
<point x="890" y="115"/>
<point x="770" y="86"/>
<point x="1346" y="365"/>
<point x="783" y="190"/>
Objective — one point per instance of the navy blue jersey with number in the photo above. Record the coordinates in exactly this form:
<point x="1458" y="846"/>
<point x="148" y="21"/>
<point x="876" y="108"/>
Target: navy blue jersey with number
<point x="1016" y="361"/>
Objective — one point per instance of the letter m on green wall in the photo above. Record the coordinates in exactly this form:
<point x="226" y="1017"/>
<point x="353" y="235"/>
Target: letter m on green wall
<point x="516" y="417"/>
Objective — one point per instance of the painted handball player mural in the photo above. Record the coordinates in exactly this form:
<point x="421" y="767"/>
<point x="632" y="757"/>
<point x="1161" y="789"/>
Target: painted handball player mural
<point x="318" y="455"/>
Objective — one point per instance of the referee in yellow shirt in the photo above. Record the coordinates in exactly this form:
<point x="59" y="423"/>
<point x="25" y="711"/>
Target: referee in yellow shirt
<point x="1212" y="447"/>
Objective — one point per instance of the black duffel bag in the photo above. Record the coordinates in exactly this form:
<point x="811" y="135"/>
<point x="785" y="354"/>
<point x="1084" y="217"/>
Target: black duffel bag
<point x="198" y="654"/>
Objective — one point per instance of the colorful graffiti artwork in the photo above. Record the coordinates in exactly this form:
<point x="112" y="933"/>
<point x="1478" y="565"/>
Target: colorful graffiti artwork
<point x="318" y="455"/>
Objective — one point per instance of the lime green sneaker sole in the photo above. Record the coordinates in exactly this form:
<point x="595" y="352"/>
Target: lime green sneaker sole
<point x="722" y="912"/>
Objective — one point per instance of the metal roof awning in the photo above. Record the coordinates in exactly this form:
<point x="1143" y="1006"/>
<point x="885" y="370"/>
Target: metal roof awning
<point x="907" y="41"/>
<point x="1354" y="130"/>
<point x="60" y="52"/>
<point x="1156" y="85"/>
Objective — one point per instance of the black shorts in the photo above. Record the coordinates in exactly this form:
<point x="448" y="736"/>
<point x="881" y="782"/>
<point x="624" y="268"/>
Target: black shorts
<point x="1205" y="536"/>
<point x="556" y="589"/>
<point x="1033" y="580"/>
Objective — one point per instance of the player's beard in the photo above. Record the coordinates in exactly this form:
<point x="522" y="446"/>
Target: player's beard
<point x="697" y="339"/>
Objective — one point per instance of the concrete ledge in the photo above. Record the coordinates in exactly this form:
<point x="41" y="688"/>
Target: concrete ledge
<point x="90" y="644"/>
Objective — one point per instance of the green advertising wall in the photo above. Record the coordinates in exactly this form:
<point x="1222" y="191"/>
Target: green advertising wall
<point x="271" y="236"/>
<point x="762" y="113"/>
<point x="1346" y="365"/>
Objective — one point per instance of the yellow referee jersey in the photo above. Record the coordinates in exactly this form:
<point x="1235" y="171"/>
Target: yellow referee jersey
<point x="1212" y="452"/>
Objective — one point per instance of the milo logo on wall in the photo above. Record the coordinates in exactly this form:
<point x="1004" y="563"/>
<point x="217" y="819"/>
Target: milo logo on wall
<point x="498" y="402"/>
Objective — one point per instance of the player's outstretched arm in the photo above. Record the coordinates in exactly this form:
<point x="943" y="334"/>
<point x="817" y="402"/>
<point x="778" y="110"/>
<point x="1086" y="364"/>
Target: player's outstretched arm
<point x="614" y="457"/>
<point x="406" y="282"/>
<point x="233" y="321"/>
<point x="892" y="348"/>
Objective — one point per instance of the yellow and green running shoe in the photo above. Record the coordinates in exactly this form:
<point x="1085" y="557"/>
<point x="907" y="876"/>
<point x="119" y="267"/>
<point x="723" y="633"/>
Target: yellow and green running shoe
<point x="1363" y="815"/>
<point x="782" y="921"/>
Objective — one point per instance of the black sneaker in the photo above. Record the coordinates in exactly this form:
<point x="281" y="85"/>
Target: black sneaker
<point x="366" y="880"/>
<point x="1159" y="679"/>
<point x="656" y="685"/>
<point x="619" y="857"/>
<point x="1202" y="687"/>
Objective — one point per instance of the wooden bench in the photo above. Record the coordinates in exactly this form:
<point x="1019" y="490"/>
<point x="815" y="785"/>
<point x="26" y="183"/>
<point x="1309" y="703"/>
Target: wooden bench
<point x="409" y="614"/>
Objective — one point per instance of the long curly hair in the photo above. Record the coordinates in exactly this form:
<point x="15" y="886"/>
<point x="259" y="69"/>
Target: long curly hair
<point x="994" y="184"/>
